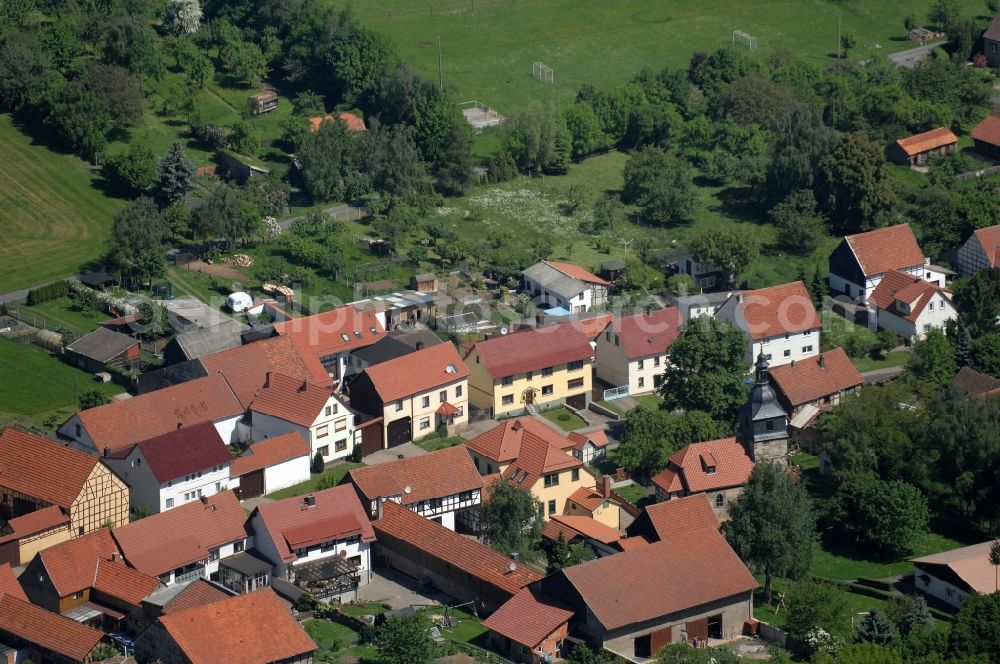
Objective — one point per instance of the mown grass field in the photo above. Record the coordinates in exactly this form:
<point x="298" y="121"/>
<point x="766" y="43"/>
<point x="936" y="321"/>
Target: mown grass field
<point x="488" y="46"/>
<point x="52" y="217"/>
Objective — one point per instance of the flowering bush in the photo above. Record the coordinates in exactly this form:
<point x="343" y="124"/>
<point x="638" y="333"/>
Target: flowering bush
<point x="106" y="300"/>
<point x="270" y="229"/>
<point x="820" y="640"/>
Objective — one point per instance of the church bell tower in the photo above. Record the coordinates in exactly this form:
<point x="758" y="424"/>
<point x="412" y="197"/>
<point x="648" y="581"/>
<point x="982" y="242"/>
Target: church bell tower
<point x="763" y="427"/>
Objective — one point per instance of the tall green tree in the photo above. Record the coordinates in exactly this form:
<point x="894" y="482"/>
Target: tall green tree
<point x="405" y="640"/>
<point x="813" y="605"/>
<point x="651" y="436"/>
<point x="977" y="299"/>
<point x="661" y="185"/>
<point x="137" y="239"/>
<point x="801" y="226"/>
<point x="389" y="155"/>
<point x="731" y="248"/>
<point x="175" y="177"/>
<point x="933" y="359"/>
<point x="227" y="213"/>
<point x="327" y="159"/>
<point x="771" y="525"/>
<point x="974" y="631"/>
<point x="134" y="170"/>
<point x="888" y="518"/>
<point x="853" y="185"/>
<point x="511" y="519"/>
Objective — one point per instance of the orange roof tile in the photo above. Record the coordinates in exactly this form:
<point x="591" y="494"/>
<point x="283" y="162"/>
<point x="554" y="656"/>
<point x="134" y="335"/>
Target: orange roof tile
<point x="677" y="517"/>
<point x="317" y="531"/>
<point x="121" y="423"/>
<point x="269" y="453"/>
<point x="420" y="371"/>
<point x="693" y="464"/>
<point x="441" y="473"/>
<point x="645" y="334"/>
<point x="662" y="578"/>
<point x="246" y="367"/>
<point x="71" y="564"/>
<point x="591" y="326"/>
<point x="589" y="499"/>
<point x="970" y="381"/>
<point x="502" y="443"/>
<point x="33" y="523"/>
<point x="533" y="350"/>
<point x="43" y="469"/>
<point x="804" y="381"/>
<point x="183" y="535"/>
<point x="183" y="451"/>
<point x="47" y="630"/>
<point x="537" y="453"/>
<point x="577" y="272"/>
<point x="528" y="617"/>
<point x="323" y="334"/>
<point x="352" y="121"/>
<point x="254" y="628"/>
<point x="784" y="309"/>
<point x="884" y="249"/>
<point x="928" y="140"/>
<point x="988" y="131"/>
<point x="198" y="593"/>
<point x="293" y="400"/>
<point x="289" y="514"/>
<point x="572" y="525"/>
<point x="116" y="580"/>
<point x="577" y="440"/>
<point x="989" y="240"/>
<point x="898" y="288"/>
<point x="9" y="584"/>
<point x="486" y="564"/>
<point x="630" y="543"/>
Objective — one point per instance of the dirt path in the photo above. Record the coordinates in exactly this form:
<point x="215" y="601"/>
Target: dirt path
<point x="218" y="270"/>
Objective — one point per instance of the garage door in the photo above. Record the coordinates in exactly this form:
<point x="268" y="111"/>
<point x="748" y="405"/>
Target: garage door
<point x="371" y="439"/>
<point x="578" y="401"/>
<point x="400" y="431"/>
<point x="252" y="484"/>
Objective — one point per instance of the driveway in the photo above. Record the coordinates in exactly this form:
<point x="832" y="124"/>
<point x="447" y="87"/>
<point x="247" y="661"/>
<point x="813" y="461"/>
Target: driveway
<point x="911" y="57"/>
<point x="399" y="591"/>
<point x="880" y="375"/>
<point x="406" y="450"/>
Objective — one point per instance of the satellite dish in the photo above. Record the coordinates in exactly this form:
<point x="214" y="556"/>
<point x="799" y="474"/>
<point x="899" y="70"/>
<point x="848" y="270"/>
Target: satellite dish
<point x="504" y="330"/>
<point x="407" y="489"/>
<point x="512" y="567"/>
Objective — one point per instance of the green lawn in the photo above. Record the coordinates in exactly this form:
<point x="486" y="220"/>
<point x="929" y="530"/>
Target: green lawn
<point x="435" y="442"/>
<point x="633" y="493"/>
<point x="337" y="472"/>
<point x="650" y="401"/>
<point x="612" y="406"/>
<point x="488" y="46"/>
<point x="54" y="219"/>
<point x="564" y="418"/>
<point x="64" y="313"/>
<point x="895" y="358"/>
<point x="45" y="389"/>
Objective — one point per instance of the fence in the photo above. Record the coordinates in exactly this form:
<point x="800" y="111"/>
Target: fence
<point x="616" y="393"/>
<point x="978" y="174"/>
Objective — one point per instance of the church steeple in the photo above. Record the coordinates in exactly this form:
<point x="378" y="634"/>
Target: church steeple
<point x="763" y="426"/>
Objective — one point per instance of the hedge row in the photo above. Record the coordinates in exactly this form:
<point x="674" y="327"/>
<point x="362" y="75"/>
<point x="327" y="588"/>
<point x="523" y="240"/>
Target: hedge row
<point x="52" y="291"/>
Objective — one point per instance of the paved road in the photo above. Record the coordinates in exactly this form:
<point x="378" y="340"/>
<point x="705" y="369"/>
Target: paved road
<point x="878" y="375"/>
<point x="13" y="296"/>
<point x="911" y="57"/>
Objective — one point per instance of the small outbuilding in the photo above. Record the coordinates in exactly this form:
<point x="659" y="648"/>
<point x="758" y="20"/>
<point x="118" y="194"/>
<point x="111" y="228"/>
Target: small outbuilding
<point x="915" y="150"/>
<point x="103" y="348"/>
<point x="263" y="102"/>
<point x="986" y="136"/>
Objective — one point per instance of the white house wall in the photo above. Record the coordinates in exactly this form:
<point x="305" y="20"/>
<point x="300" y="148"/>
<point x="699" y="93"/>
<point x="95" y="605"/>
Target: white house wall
<point x="944" y="311"/>
<point x="227" y="429"/>
<point x="798" y="346"/>
<point x="286" y="474"/>
<point x="942" y="590"/>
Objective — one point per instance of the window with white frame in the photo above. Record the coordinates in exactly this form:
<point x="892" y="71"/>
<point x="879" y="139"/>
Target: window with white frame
<point x="425" y="423"/>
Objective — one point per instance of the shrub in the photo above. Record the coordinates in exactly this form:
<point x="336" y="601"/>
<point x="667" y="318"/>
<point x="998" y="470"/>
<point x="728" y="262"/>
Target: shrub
<point x="48" y="292"/>
<point x="318" y="465"/>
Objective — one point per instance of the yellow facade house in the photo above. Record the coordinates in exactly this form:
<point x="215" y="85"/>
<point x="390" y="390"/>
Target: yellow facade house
<point x="538" y="368"/>
<point x="528" y="454"/>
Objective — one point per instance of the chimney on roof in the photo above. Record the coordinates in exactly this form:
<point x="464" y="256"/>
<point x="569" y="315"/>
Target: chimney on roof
<point x="822" y="361"/>
<point x="107" y="451"/>
<point x="739" y="298"/>
<point x="793" y="363"/>
<point x="267" y="379"/>
<point x="179" y="425"/>
<point x="114" y="557"/>
<point x="419" y="345"/>
<point x="605" y="486"/>
<point x="305" y="385"/>
<point x="515" y="556"/>
<point x="400" y="457"/>
<point x="310" y="500"/>
<point x="516" y="426"/>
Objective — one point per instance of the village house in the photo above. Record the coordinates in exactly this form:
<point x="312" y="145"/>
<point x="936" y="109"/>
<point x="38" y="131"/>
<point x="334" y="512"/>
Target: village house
<point x="9" y="584"/>
<point x="330" y="337"/>
<point x="554" y="285"/>
<point x="456" y="565"/>
<point x="102" y="348"/>
<point x="107" y="429"/>
<point x="395" y="344"/>
<point x="691" y="588"/>
<point x="910" y="306"/>
<point x="529" y="455"/>
<point x="254" y="628"/>
<point x="587" y="446"/>
<point x="980" y="252"/>
<point x="805" y="387"/>
<point x="599" y="503"/>
<point x="173" y="469"/>
<point x="524" y="371"/>
<point x="674" y="519"/>
<point x="441" y="485"/>
<point x="951" y="576"/>
<point x="286" y="405"/>
<point x="601" y="539"/>
<point x="40" y="476"/>
<point x="705" y="275"/>
<point x="991" y="42"/>
<point x="717" y="468"/>
<point x="986" y="134"/>
<point x="42" y="636"/>
<point x="320" y="541"/>
<point x="915" y="150"/>
<point x="633" y="350"/>
<point x="186" y="542"/>
<point x="700" y="304"/>
<point x="975" y="383"/>
<point x="530" y="627"/>
<point x="780" y="321"/>
<point x="270" y="465"/>
<point x="415" y="394"/>
<point x="182" y="596"/>
<point x="202" y="342"/>
<point x="860" y="261"/>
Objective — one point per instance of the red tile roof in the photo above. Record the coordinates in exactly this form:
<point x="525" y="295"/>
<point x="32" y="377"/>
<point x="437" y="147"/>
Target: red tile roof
<point x="970" y="381"/>
<point x="121" y="423"/>
<point x="184" y="451"/>
<point x="415" y="373"/>
<point x="9" y="584"/>
<point x="43" y="469"/>
<point x="577" y="272"/>
<point x="71" y="564"/>
<point x="884" y="249"/>
<point x="528" y="617"/>
<point x="323" y="530"/>
<point x="813" y="378"/>
<point x="898" y="288"/>
<point x="988" y="131"/>
<point x="183" y="535"/>
<point x="269" y="453"/>
<point x="648" y="334"/>
<point x="784" y="309"/>
<point x="246" y="367"/>
<point x="533" y="350"/>
<point x="928" y="140"/>
<point x="680" y="516"/>
<point x="47" y="630"/>
<point x="989" y="240"/>
<point x="437" y="474"/>
<point x="537" y="455"/>
<point x="465" y="554"/>
<point x="254" y="628"/>
<point x="630" y="543"/>
<point x="323" y="334"/>
<point x="572" y="525"/>
<point x="589" y="499"/>
<point x="116" y="580"/>
<point x="591" y="326"/>
<point x="599" y="438"/>
<point x="284" y="516"/>
<point x="198" y="593"/>
<point x="688" y="469"/>
<point x="293" y="400"/>
<point x="33" y="523"/>
<point x="502" y="443"/>
<point x="350" y="120"/>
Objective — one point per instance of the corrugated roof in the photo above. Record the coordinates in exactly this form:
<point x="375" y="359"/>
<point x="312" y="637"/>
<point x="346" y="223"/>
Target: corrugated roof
<point x="185" y="451"/>
<point x="715" y="464"/>
<point x="663" y="578"/>
<point x="121" y="423"/>
<point x="71" y="564"/>
<point x="46" y="629"/>
<point x="102" y="344"/>
<point x="897" y="288"/>
<point x="460" y="552"/>
<point x="928" y="140"/>
<point x="528" y="617"/>
<point x="884" y="249"/>
<point x="245" y="368"/>
<point x="9" y="584"/>
<point x="563" y="279"/>
<point x="804" y="381"/>
<point x="784" y="309"/>
<point x="647" y="334"/>
<point x="441" y="473"/>
<point x="533" y="350"/>
<point x="270" y="452"/>
<point x="206" y="341"/>
<point x="417" y="372"/>
<point x="293" y="400"/>
<point x="254" y="628"/>
<point x="43" y="469"/>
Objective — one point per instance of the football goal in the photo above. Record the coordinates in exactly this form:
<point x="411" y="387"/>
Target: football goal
<point x="745" y="38"/>
<point x="542" y="73"/>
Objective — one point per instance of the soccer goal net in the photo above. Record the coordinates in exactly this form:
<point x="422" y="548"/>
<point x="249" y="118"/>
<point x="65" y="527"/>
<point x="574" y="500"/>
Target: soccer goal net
<point x="745" y="38"/>
<point x="542" y="73"/>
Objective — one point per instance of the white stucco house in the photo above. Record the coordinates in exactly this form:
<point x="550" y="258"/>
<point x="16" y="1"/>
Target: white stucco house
<point x="564" y="285"/>
<point x="910" y="306"/>
<point x="317" y="414"/>
<point x="270" y="465"/>
<point x="633" y="350"/>
<point x="980" y="252"/>
<point x="951" y="576"/>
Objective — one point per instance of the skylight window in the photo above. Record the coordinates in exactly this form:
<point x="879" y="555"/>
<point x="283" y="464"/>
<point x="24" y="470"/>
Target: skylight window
<point x="345" y="337"/>
<point x="357" y="334"/>
<point x="373" y="330"/>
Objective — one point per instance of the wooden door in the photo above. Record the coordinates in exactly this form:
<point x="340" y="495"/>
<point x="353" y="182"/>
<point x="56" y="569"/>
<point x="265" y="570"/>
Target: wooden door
<point x="400" y="431"/>
<point x="697" y="629"/>
<point x="252" y="484"/>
